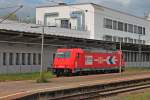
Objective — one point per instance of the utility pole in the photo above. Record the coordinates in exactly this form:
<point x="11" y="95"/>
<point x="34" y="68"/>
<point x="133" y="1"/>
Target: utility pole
<point x="120" y="63"/>
<point x="140" y="50"/>
<point x="42" y="48"/>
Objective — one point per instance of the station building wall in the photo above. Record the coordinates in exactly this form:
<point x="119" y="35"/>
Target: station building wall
<point x="135" y="59"/>
<point x="19" y="58"/>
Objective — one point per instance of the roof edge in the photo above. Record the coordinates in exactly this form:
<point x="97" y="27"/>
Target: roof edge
<point x="94" y="4"/>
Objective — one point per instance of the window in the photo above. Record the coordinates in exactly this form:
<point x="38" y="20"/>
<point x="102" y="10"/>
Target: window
<point x="10" y="58"/>
<point x="120" y="39"/>
<point x="144" y="31"/>
<point x="65" y="23"/>
<point x="23" y="58"/>
<point x="125" y="27"/>
<point x="115" y="25"/>
<point x="17" y="59"/>
<point x="120" y="26"/>
<point x="108" y="38"/>
<point x="130" y="40"/>
<point x="135" y="29"/>
<point x="34" y="59"/>
<point x="115" y="39"/>
<point x="147" y="57"/>
<point x="108" y="23"/>
<point x="29" y="58"/>
<point x="135" y="41"/>
<point x="135" y="57"/>
<point x="63" y="54"/>
<point x="143" y="41"/>
<point x="139" y="30"/>
<point x="4" y="59"/>
<point x="125" y="39"/>
<point x="39" y="59"/>
<point x="132" y="58"/>
<point x="130" y="28"/>
<point x="125" y="56"/>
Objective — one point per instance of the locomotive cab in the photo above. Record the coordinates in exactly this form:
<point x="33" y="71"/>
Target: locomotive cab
<point x="64" y="61"/>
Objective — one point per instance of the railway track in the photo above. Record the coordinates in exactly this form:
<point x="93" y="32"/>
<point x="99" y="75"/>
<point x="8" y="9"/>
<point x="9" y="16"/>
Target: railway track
<point x="108" y="90"/>
<point x="113" y="92"/>
<point x="92" y="92"/>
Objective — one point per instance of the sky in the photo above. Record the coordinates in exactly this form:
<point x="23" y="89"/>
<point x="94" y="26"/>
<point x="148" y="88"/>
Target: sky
<point x="135" y="7"/>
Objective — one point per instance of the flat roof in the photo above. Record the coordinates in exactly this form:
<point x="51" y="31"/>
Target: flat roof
<point x="94" y="4"/>
<point x="28" y="27"/>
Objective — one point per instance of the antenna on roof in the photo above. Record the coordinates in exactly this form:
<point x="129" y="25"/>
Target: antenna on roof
<point x="60" y="2"/>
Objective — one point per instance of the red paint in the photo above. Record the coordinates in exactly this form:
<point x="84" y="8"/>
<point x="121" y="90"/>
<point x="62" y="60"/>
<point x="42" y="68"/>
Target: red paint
<point x="81" y="59"/>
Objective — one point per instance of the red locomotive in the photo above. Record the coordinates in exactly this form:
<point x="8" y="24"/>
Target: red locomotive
<point x="76" y="60"/>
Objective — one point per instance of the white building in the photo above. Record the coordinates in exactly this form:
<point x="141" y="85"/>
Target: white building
<point x="79" y="25"/>
<point x="103" y="23"/>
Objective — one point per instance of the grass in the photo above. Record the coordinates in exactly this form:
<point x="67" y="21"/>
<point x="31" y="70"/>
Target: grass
<point x="24" y="76"/>
<point x="48" y="75"/>
<point x="136" y="96"/>
<point x="137" y="69"/>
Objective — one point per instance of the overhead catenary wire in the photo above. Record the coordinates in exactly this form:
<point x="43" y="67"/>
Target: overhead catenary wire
<point x="10" y="7"/>
<point x="21" y="6"/>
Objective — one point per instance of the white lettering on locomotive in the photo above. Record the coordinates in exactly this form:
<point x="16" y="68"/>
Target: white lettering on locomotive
<point x="88" y="60"/>
<point x="100" y="60"/>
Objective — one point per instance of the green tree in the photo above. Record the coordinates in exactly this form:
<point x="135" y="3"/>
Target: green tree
<point x="12" y="17"/>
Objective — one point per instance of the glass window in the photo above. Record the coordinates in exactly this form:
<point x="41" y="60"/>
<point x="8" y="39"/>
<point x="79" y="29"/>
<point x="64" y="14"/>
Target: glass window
<point x="63" y="54"/>
<point x="135" y="29"/>
<point x="108" y="38"/>
<point x="108" y="23"/>
<point x="65" y="23"/>
<point x="120" y="26"/>
<point x="10" y="58"/>
<point x="17" y="59"/>
<point x="125" y="27"/>
<point x="143" y="41"/>
<point x="29" y="58"/>
<point x="115" y="25"/>
<point x="120" y="39"/>
<point x="125" y="39"/>
<point x="144" y="31"/>
<point x="39" y="58"/>
<point x="130" y="40"/>
<point x="4" y="59"/>
<point x="23" y="58"/>
<point x="130" y="28"/>
<point x="115" y="39"/>
<point x="34" y="59"/>
<point x="139" y="30"/>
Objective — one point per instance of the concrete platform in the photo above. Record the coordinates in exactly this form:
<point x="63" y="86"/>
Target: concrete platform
<point x="11" y="90"/>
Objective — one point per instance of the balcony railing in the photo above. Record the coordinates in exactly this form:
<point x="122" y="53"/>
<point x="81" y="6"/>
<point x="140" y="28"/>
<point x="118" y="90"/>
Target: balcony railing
<point x="82" y="28"/>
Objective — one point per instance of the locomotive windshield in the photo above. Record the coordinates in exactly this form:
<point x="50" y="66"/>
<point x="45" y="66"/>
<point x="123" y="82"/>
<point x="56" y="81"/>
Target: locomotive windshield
<point x="63" y="54"/>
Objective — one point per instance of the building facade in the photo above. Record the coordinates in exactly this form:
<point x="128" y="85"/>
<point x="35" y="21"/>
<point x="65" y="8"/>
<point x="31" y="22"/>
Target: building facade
<point x="80" y="25"/>
<point x="103" y="23"/>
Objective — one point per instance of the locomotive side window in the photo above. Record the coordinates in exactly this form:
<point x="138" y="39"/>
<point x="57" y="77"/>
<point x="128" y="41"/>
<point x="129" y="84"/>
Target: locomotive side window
<point x="63" y="54"/>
